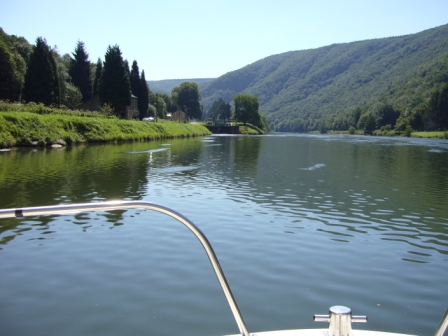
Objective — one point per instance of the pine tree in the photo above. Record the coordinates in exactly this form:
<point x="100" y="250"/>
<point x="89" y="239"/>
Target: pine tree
<point x="98" y="72"/>
<point x="114" y="85"/>
<point x="41" y="79"/>
<point x="135" y="80"/>
<point x="80" y="71"/>
<point x="143" y="98"/>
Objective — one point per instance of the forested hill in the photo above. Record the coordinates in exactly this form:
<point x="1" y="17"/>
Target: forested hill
<point x="166" y="85"/>
<point x="300" y="88"/>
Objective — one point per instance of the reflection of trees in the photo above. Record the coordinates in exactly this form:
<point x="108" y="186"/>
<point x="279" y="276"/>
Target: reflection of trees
<point x="245" y="156"/>
<point x="185" y="152"/>
<point x="14" y="227"/>
<point x="77" y="174"/>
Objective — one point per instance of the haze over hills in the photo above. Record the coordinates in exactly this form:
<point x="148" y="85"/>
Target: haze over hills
<point x="320" y="84"/>
<point x="166" y="85"/>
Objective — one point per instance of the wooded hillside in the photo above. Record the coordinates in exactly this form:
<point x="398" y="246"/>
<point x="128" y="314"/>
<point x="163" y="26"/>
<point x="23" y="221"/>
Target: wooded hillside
<point x="166" y="85"/>
<point x="300" y="90"/>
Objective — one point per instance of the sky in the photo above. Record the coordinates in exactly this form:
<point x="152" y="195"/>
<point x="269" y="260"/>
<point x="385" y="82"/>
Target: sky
<point x="184" y="39"/>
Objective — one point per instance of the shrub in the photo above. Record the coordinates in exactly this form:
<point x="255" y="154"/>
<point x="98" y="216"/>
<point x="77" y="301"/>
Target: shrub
<point x="408" y="131"/>
<point x="351" y="130"/>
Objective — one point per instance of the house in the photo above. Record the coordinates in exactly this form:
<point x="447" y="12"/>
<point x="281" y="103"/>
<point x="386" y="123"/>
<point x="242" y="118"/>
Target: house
<point x="179" y="116"/>
<point x="132" y="109"/>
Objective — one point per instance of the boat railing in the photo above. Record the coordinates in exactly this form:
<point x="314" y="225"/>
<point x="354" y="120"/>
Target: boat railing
<point x="340" y="317"/>
<point x="117" y="205"/>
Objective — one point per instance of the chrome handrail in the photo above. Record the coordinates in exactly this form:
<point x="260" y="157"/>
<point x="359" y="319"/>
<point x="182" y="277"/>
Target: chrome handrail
<point x="443" y="325"/>
<point x="116" y="205"/>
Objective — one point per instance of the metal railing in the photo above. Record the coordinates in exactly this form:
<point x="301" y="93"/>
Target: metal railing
<point x="117" y="205"/>
<point x="341" y="315"/>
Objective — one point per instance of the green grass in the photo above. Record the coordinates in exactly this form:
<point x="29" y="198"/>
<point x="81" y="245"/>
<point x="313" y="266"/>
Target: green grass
<point x="27" y="129"/>
<point x="438" y="135"/>
<point x="250" y="129"/>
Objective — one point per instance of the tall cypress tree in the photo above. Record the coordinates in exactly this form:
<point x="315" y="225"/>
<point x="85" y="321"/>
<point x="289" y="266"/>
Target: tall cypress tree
<point x="135" y="80"/>
<point x="98" y="72"/>
<point x="143" y="98"/>
<point x="114" y="86"/>
<point x="41" y="79"/>
<point x="80" y="71"/>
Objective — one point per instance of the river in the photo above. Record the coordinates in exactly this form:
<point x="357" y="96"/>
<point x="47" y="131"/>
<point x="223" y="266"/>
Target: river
<point x="299" y="223"/>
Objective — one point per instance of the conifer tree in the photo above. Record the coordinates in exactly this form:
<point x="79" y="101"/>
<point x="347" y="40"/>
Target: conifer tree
<point x="98" y="72"/>
<point x="114" y="87"/>
<point x="135" y="80"/>
<point x="80" y="71"/>
<point x="143" y="98"/>
<point x="41" y="79"/>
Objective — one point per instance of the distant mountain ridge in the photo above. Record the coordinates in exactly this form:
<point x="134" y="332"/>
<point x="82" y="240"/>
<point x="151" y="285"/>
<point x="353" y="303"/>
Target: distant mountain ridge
<point x="322" y="83"/>
<point x="166" y="85"/>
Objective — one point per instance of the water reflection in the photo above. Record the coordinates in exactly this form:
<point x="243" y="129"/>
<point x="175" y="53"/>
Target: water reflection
<point x="285" y="213"/>
<point x="342" y="185"/>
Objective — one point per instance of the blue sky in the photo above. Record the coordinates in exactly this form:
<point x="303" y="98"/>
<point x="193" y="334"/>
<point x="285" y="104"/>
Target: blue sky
<point x="174" y="39"/>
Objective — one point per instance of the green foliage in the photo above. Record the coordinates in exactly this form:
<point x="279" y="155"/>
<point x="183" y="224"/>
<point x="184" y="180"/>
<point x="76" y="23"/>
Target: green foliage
<point x="98" y="72"/>
<point x="135" y="79"/>
<point x="158" y="102"/>
<point x="246" y="109"/>
<point x="438" y="108"/>
<point x="166" y="86"/>
<point x="29" y="129"/>
<point x="80" y="71"/>
<point x="107" y="110"/>
<point x="297" y="89"/>
<point x="114" y="86"/>
<point x="143" y="98"/>
<point x="220" y="110"/>
<point x="41" y="80"/>
<point x="386" y="115"/>
<point x="351" y="130"/>
<point x="14" y="55"/>
<point x="187" y="99"/>
<point x="367" y="123"/>
<point x="73" y="97"/>
<point x="408" y="131"/>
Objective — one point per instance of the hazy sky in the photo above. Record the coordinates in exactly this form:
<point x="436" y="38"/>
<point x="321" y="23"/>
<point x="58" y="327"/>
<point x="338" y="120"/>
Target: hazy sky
<point x="177" y="39"/>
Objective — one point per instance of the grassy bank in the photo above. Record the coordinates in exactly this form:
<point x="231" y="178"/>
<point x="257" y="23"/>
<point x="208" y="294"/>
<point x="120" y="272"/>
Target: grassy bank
<point x="437" y="135"/>
<point x="31" y="129"/>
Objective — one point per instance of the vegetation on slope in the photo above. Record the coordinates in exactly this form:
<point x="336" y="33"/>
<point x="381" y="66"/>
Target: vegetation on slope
<point x="306" y="90"/>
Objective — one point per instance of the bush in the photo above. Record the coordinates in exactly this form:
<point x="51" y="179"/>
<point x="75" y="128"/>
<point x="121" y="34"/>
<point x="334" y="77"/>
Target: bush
<point x="408" y="131"/>
<point x="351" y="130"/>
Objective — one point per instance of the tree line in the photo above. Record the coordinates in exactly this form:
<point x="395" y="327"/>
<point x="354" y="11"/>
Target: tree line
<point x="246" y="110"/>
<point x="39" y="74"/>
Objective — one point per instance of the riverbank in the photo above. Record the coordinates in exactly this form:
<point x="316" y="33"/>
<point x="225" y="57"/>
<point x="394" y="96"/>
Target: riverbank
<point x="24" y="129"/>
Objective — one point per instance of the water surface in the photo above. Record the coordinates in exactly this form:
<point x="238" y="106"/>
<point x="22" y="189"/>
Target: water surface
<point x="299" y="223"/>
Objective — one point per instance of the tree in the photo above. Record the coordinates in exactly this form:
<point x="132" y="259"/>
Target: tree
<point x="7" y="73"/>
<point x="66" y="85"/>
<point x="98" y="72"/>
<point x="135" y="80"/>
<point x="387" y="115"/>
<point x="114" y="85"/>
<point x="73" y="96"/>
<point x="219" y="110"/>
<point x="367" y="123"/>
<point x="14" y="55"/>
<point x="188" y="99"/>
<point x="80" y="71"/>
<point x="41" y="79"/>
<point x="246" y="109"/>
<point x="143" y="98"/>
<point x="438" y="108"/>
